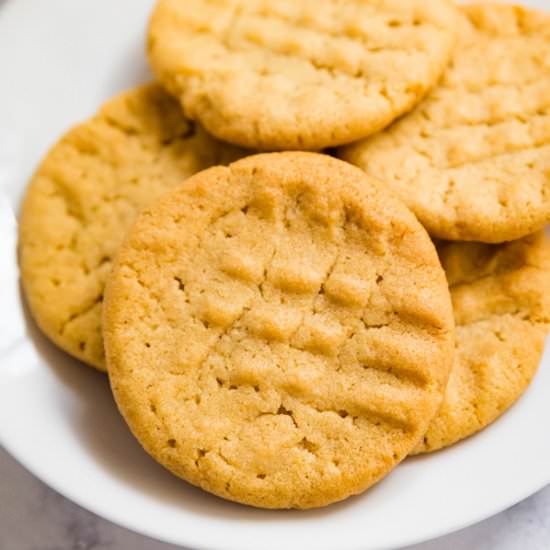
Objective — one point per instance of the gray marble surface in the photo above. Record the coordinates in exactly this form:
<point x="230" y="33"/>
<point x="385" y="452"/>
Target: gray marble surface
<point x="33" y="517"/>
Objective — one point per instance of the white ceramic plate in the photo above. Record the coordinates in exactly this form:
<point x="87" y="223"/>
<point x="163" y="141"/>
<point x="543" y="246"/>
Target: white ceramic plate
<point x="59" y="60"/>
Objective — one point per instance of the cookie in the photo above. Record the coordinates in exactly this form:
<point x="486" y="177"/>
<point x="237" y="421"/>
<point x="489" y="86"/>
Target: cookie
<point x="278" y="332"/>
<point x="85" y="195"/>
<point x="297" y="74"/>
<point x="473" y="160"/>
<point x="501" y="299"/>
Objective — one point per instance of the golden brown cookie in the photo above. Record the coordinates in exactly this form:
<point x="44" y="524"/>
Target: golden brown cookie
<point x="85" y="195"/>
<point x="473" y="160"/>
<point x="501" y="299"/>
<point x="278" y="332"/>
<point x="298" y="74"/>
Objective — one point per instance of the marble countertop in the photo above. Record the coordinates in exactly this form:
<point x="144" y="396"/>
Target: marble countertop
<point x="33" y="517"/>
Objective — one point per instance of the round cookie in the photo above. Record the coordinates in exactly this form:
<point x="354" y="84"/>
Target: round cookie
<point x="86" y="194"/>
<point x="278" y="332"/>
<point x="501" y="299"/>
<point x="473" y="160"/>
<point x="296" y="74"/>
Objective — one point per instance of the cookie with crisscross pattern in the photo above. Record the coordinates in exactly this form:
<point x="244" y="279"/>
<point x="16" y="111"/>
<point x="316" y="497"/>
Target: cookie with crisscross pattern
<point x="299" y="74"/>
<point x="85" y="195"/>
<point x="279" y="332"/>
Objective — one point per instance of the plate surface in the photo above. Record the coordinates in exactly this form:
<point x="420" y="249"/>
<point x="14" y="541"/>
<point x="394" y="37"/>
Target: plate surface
<point x="60" y="59"/>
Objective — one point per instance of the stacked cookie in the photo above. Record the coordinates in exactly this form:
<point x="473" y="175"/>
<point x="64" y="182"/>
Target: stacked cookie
<point x="281" y="330"/>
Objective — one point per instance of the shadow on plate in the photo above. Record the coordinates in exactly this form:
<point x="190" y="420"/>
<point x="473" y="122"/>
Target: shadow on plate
<point x="133" y="69"/>
<point x="101" y="429"/>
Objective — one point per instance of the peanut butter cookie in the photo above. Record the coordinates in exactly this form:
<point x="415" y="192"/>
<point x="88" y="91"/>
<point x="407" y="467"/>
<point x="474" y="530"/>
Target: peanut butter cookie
<point x="279" y="332"/>
<point x="501" y="299"/>
<point x="473" y="160"/>
<point x="86" y="194"/>
<point x="298" y="74"/>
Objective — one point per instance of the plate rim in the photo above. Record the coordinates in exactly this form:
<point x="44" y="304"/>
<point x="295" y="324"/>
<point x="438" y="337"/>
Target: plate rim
<point x="195" y="544"/>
